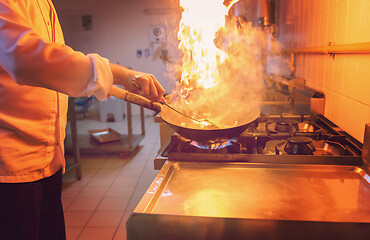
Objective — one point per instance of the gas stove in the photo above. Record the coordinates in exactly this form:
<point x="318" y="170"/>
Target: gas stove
<point x="292" y="174"/>
<point x="309" y="138"/>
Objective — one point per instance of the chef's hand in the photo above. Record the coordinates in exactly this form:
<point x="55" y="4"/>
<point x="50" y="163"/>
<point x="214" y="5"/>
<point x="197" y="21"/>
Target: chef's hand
<point x="141" y="83"/>
<point x="146" y="85"/>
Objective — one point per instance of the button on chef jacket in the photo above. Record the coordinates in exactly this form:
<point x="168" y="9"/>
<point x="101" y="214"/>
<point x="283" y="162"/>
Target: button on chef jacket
<point x="37" y="72"/>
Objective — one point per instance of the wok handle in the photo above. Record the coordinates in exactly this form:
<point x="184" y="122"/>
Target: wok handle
<point x="135" y="99"/>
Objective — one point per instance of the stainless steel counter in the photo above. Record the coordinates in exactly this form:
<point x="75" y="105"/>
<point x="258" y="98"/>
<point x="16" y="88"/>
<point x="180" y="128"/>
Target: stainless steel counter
<point x="193" y="200"/>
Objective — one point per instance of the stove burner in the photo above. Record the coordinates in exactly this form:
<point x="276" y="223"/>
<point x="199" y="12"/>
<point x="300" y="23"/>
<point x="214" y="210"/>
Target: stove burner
<point x="292" y="127"/>
<point x="300" y="140"/>
<point x="185" y="145"/>
<point x="299" y="146"/>
<point x="309" y="127"/>
<point x="286" y="126"/>
<point x="306" y="127"/>
<point x="211" y="147"/>
<point x="283" y="126"/>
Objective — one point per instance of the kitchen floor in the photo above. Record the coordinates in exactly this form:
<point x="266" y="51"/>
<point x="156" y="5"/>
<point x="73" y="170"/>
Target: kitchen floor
<point x="98" y="206"/>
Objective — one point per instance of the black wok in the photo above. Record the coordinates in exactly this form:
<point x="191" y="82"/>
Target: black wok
<point x="176" y="121"/>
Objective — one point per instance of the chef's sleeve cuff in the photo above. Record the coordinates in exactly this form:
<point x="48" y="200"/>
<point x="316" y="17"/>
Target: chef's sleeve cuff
<point x="103" y="78"/>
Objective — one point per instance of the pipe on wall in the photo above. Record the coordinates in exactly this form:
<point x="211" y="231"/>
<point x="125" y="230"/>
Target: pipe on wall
<point x="355" y="48"/>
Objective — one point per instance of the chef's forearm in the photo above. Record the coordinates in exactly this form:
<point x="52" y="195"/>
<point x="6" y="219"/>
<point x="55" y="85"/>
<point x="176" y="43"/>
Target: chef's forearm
<point x="120" y="74"/>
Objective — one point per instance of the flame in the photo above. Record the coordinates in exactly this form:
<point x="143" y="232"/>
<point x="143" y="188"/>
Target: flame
<point x="213" y="145"/>
<point x="221" y="68"/>
<point x="197" y="34"/>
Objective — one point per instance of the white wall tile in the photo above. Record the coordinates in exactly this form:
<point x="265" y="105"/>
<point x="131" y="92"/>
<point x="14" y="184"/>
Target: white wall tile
<point x="321" y="68"/>
<point x="345" y="79"/>
<point x="364" y="35"/>
<point x="362" y="80"/>
<point x="331" y="25"/>
<point x="338" y="73"/>
<point x="350" y="75"/>
<point x="341" y="22"/>
<point x="355" y="20"/>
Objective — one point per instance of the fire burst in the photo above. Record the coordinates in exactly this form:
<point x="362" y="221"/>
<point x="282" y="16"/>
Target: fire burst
<point x="220" y="71"/>
<point x="197" y="34"/>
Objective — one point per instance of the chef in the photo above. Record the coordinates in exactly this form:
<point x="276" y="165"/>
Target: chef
<point x="37" y="74"/>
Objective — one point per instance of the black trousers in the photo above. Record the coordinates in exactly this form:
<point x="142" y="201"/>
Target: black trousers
<point x="32" y="211"/>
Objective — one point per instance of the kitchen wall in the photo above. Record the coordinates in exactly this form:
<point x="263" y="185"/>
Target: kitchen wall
<point x="344" y="78"/>
<point x="119" y="29"/>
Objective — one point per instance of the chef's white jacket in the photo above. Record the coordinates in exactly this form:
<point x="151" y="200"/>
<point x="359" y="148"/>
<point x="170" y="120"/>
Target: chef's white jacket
<point x="37" y="72"/>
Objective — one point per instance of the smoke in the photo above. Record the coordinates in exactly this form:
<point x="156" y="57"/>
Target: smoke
<point x="231" y="95"/>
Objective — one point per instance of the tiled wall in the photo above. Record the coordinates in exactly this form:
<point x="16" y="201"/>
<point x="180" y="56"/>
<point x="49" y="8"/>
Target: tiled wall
<point x="344" y="78"/>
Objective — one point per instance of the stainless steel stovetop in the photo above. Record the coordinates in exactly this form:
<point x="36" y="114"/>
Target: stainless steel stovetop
<point x="270" y="138"/>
